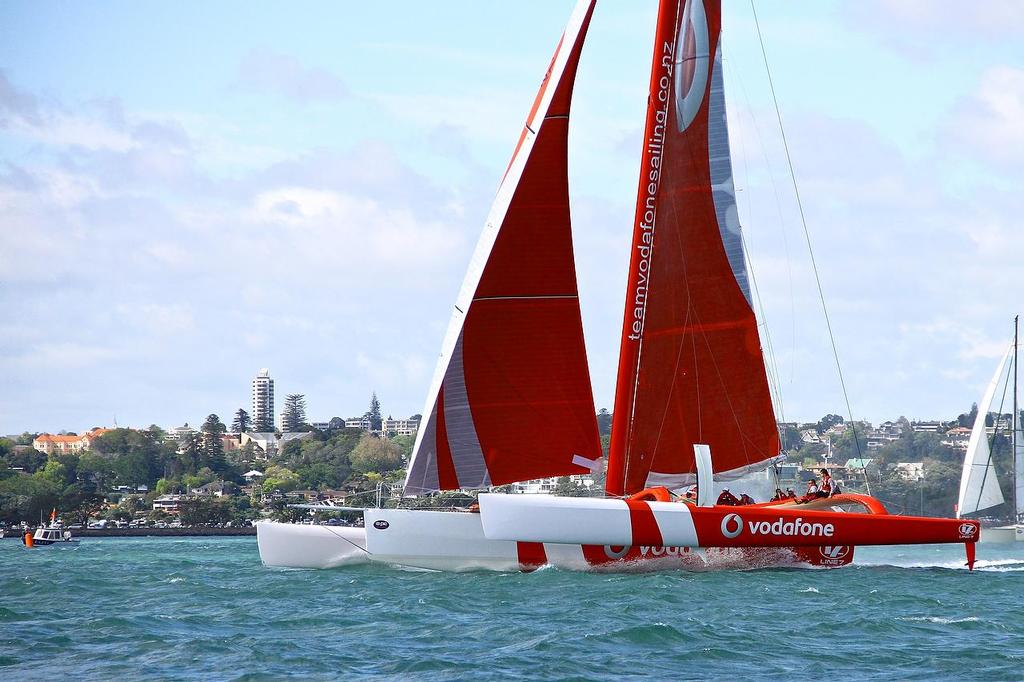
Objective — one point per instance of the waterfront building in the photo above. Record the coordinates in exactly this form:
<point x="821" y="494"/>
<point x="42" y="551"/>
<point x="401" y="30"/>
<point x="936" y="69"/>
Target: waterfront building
<point x="269" y="444"/>
<point x="168" y="503"/>
<point x="909" y="471"/>
<point x="358" y="423"/>
<point x="66" y="444"/>
<point x="180" y="432"/>
<point x="957" y="438"/>
<point x="926" y="426"/>
<point x="400" y="427"/>
<point x="263" y="400"/>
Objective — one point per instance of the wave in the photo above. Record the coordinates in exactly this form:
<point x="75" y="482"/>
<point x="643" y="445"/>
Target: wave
<point x="939" y="619"/>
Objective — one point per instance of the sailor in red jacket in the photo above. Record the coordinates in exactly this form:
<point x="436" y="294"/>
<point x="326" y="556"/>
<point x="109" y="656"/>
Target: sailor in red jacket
<point x="827" y="487"/>
<point x="812" y="492"/>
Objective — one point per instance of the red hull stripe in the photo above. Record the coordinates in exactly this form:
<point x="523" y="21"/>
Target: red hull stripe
<point x="644" y="525"/>
<point x="447" y="479"/>
<point x="531" y="555"/>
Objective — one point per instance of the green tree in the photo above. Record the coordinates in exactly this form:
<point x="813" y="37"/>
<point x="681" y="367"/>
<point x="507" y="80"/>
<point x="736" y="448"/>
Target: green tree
<point x="263" y="423"/>
<point x="405" y="445"/>
<point x="213" y="446"/>
<point x="24" y="496"/>
<point x="566" y="487"/>
<point x="604" y="422"/>
<point x="200" y="511"/>
<point x="294" y="416"/>
<point x="26" y="438"/>
<point x="54" y="472"/>
<point x="374" y="454"/>
<point x="279" y="478"/>
<point x="28" y="459"/>
<point x="827" y="422"/>
<point x="95" y="469"/>
<point x="319" y="475"/>
<point x="373" y="414"/>
<point x="190" y="452"/>
<point x="241" y="422"/>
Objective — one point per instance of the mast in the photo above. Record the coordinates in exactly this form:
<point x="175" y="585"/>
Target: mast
<point x="639" y="266"/>
<point x="1014" y="425"/>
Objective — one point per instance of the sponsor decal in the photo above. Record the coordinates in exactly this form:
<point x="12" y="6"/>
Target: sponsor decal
<point x="645" y="551"/>
<point x="834" y="551"/>
<point x="968" y="530"/>
<point x="732" y="525"/>
<point x="381" y="524"/>
<point x="616" y="551"/>
<point x="780" y="527"/>
<point x="692" y="67"/>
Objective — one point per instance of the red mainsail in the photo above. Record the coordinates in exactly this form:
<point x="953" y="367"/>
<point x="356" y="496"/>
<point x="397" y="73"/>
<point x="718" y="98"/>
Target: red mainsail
<point x="690" y="366"/>
<point x="512" y="398"/>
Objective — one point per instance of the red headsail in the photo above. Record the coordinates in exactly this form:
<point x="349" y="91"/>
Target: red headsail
<point x="690" y="365"/>
<point x="512" y="398"/>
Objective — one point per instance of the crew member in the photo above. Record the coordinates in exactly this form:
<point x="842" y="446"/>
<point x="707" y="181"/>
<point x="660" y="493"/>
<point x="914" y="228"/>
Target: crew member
<point x="727" y="498"/>
<point x="827" y="487"/>
<point x="746" y="499"/>
<point x="812" y="492"/>
<point x="779" y="495"/>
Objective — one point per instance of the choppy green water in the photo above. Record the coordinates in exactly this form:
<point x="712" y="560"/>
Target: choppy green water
<point x="206" y="608"/>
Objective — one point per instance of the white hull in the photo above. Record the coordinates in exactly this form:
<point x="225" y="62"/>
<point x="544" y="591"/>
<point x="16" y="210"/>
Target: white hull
<point x="298" y="546"/>
<point x="454" y="541"/>
<point x="1002" y="534"/>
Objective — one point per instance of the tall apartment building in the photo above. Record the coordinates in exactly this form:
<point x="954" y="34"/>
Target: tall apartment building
<point x="263" y="401"/>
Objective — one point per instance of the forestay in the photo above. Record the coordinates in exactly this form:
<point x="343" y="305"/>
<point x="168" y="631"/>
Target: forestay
<point x="511" y="399"/>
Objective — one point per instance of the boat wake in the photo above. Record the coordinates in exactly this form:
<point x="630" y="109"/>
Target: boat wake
<point x="984" y="565"/>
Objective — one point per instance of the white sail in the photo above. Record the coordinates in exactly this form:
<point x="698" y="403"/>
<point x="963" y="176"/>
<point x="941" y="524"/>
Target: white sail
<point x="979" y="487"/>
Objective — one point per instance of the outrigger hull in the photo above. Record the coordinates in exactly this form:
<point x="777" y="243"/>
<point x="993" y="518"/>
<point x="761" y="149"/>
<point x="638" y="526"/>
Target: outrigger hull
<point x="455" y="541"/>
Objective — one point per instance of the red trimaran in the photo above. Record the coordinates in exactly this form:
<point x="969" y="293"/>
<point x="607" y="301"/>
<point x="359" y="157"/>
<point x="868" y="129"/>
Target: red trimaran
<point x="512" y="400"/>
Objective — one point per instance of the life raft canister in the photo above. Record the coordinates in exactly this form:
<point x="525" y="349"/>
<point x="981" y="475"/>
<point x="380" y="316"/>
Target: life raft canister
<point x="656" y="494"/>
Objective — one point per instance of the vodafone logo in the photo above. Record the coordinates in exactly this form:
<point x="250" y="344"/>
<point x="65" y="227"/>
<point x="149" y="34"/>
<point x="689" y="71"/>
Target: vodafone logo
<point x="967" y="530"/>
<point x="834" y="551"/>
<point x="732" y="525"/>
<point x="616" y="551"/>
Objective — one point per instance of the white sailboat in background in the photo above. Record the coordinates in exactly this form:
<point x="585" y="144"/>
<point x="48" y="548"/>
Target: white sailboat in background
<point x="979" y="485"/>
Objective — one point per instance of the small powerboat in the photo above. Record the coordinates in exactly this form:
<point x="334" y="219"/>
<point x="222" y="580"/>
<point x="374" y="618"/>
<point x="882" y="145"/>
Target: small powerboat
<point x="44" y="536"/>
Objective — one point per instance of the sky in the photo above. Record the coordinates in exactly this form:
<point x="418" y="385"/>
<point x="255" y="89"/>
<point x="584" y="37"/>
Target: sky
<point x="190" y="192"/>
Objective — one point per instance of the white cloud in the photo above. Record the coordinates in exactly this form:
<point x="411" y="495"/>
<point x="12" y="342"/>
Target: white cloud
<point x="269" y="71"/>
<point x="61" y="356"/>
<point x="329" y="222"/>
<point x="160" y="320"/>
<point x="992" y="118"/>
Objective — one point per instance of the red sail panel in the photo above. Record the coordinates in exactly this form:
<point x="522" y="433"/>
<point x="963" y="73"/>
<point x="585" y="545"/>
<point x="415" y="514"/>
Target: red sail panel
<point x="513" y="399"/>
<point x="690" y="368"/>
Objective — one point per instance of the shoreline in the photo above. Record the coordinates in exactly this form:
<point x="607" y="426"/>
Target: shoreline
<point x="153" y="532"/>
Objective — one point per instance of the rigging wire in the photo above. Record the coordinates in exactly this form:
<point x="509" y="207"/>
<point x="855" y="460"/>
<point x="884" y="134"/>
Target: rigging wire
<point x="807" y="233"/>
